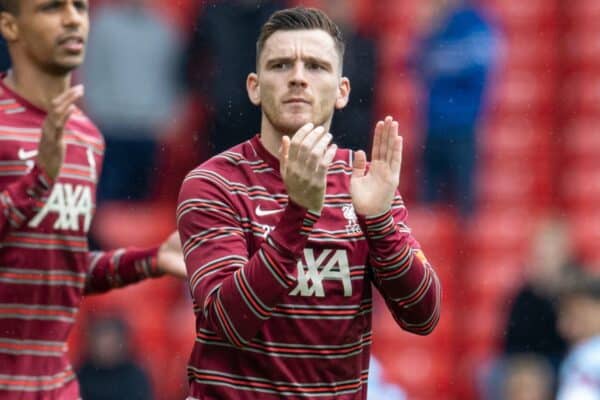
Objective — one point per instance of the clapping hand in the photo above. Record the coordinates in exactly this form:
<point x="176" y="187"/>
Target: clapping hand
<point x="373" y="191"/>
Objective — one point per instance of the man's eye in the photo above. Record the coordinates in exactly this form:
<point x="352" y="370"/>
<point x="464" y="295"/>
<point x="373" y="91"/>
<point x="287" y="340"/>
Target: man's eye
<point x="81" y="5"/>
<point x="51" y="6"/>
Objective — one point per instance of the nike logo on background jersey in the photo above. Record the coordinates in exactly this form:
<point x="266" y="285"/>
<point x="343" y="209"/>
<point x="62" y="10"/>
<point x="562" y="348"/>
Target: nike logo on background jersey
<point x="26" y="154"/>
<point x="261" y="213"/>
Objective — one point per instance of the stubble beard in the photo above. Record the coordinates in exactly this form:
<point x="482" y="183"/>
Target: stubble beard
<point x="290" y="129"/>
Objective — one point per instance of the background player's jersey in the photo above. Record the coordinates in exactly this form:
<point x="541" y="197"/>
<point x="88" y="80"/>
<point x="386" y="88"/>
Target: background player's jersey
<point x="283" y="295"/>
<point x="45" y="265"/>
<point x="580" y="372"/>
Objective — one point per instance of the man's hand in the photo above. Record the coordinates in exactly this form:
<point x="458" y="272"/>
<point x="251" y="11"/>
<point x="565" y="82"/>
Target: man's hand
<point x="373" y="192"/>
<point x="170" y="257"/>
<point x="304" y="161"/>
<point x="51" y="150"/>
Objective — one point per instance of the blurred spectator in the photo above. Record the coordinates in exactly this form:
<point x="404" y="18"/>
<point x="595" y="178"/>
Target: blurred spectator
<point x="527" y="377"/>
<point x="352" y="126"/>
<point x="579" y="320"/>
<point x="378" y="388"/>
<point x="532" y="326"/>
<point x="109" y="373"/>
<point x="221" y="52"/>
<point x="454" y="62"/>
<point x="130" y="75"/>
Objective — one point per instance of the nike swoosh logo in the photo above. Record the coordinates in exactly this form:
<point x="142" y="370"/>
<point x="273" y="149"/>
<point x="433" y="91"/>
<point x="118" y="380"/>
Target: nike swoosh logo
<point x="27" y="154"/>
<point x="261" y="213"/>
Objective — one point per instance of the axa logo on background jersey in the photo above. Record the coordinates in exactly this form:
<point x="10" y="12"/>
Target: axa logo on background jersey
<point x="70" y="202"/>
<point x="329" y="265"/>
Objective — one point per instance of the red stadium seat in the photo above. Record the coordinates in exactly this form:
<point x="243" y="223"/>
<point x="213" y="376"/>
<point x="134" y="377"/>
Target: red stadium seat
<point x="394" y="48"/>
<point x="582" y="48"/>
<point x="119" y="224"/>
<point x="532" y="54"/>
<point x="397" y="16"/>
<point x="499" y="231"/>
<point x="517" y="137"/>
<point x="490" y="275"/>
<point x="515" y="182"/>
<point x="525" y="12"/>
<point x="582" y="94"/>
<point x="581" y="187"/>
<point x="582" y="141"/>
<point x="419" y="370"/>
<point x="583" y="10"/>
<point x="521" y="92"/>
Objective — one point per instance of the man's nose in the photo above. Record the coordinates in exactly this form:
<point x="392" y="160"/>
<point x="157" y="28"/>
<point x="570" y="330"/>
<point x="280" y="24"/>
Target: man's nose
<point x="298" y="77"/>
<point x="72" y="16"/>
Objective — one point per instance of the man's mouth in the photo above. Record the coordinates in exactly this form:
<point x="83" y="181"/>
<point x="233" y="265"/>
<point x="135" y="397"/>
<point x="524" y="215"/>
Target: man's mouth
<point x="72" y="43"/>
<point x="296" y="100"/>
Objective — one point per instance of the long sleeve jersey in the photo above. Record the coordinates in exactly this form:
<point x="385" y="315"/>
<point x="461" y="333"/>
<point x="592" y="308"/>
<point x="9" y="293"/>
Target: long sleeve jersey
<point x="45" y="265"/>
<point x="282" y="295"/>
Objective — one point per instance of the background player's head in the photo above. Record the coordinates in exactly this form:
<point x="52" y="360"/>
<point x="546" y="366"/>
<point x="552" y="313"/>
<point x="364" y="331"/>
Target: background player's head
<point x="299" y="56"/>
<point x="527" y="377"/>
<point x="579" y="308"/>
<point x="48" y="35"/>
<point x="107" y="342"/>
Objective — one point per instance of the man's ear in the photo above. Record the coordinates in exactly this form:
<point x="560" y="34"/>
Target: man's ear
<point x="343" y="93"/>
<point x="253" y="88"/>
<point x="8" y="26"/>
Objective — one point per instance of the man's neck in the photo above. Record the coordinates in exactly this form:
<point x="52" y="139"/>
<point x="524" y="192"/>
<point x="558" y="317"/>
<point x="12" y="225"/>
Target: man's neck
<point x="269" y="138"/>
<point x="35" y="86"/>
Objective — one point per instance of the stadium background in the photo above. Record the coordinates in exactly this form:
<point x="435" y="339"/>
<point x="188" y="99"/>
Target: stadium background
<point x="537" y="152"/>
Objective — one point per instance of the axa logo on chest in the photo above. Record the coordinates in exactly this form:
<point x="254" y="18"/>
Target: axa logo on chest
<point x="70" y="202"/>
<point x="329" y="265"/>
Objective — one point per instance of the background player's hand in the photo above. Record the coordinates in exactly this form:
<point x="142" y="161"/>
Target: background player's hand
<point x="373" y="192"/>
<point x="51" y="150"/>
<point x="170" y="257"/>
<point x="304" y="161"/>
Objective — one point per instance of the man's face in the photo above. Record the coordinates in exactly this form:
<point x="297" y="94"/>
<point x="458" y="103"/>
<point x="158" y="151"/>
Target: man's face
<point x="578" y="318"/>
<point x="298" y="80"/>
<point x="52" y="33"/>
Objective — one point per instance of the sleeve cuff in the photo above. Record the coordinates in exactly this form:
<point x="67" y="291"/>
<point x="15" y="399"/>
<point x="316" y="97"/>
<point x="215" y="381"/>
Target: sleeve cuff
<point x="377" y="226"/>
<point x="21" y="198"/>
<point x="292" y="232"/>
<point x="147" y="262"/>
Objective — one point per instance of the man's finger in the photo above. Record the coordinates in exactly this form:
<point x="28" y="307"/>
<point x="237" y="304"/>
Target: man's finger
<point x="385" y="139"/>
<point x="315" y="156"/>
<point x="59" y="124"/>
<point x="71" y="96"/>
<point x="326" y="161"/>
<point x="302" y="150"/>
<point x="376" y="152"/>
<point x="322" y="144"/>
<point x="299" y="138"/>
<point x="66" y="99"/>
<point x="62" y="97"/>
<point x="393" y="134"/>
<point x="359" y="164"/>
<point x="302" y="132"/>
<point x="60" y="115"/>
<point x="396" y="161"/>
<point x="284" y="151"/>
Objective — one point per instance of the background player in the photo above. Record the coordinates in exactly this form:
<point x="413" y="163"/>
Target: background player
<point x="50" y="160"/>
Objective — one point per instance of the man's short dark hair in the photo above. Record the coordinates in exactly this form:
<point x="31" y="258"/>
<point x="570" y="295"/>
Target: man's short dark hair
<point x="9" y="6"/>
<point x="582" y="285"/>
<point x="300" y="18"/>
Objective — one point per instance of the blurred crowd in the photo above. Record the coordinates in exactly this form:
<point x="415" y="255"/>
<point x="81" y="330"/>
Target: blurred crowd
<point x="497" y="103"/>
